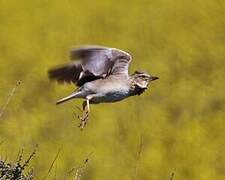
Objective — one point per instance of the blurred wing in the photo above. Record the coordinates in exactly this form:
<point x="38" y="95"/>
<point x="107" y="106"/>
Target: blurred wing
<point x="66" y="73"/>
<point x="95" y="62"/>
<point x="101" y="61"/>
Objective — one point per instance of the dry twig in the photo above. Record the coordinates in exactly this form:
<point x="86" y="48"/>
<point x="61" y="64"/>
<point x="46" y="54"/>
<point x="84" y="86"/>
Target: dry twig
<point x="30" y="157"/>
<point x="9" y="98"/>
<point x="52" y="164"/>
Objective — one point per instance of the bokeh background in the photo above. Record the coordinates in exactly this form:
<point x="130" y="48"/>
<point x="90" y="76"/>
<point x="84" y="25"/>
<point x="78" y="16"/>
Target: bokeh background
<point x="180" y="119"/>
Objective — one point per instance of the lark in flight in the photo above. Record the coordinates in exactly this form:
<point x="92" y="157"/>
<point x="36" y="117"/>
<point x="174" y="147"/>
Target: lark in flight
<point x="101" y="74"/>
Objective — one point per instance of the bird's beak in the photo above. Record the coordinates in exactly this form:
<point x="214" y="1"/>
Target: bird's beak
<point x="153" y="78"/>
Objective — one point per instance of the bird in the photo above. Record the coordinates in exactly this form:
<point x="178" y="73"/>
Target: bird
<point x="101" y="76"/>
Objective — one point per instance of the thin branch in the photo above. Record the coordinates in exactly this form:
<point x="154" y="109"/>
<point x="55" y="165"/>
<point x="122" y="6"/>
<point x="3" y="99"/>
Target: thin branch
<point x="20" y="155"/>
<point x="2" y="111"/>
<point x="30" y="157"/>
<point x="52" y="164"/>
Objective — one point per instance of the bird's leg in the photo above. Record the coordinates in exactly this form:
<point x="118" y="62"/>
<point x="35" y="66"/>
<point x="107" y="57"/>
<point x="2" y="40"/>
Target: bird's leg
<point x="85" y="114"/>
<point x="88" y="106"/>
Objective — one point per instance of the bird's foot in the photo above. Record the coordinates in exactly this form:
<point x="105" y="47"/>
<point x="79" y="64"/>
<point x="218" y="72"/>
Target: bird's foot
<point x="85" y="114"/>
<point x="83" y="120"/>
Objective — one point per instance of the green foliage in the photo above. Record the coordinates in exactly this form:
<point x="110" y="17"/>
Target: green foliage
<point x="181" y="116"/>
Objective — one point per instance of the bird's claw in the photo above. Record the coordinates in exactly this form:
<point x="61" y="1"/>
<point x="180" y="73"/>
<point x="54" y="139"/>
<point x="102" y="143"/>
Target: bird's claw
<point x="85" y="114"/>
<point x="83" y="119"/>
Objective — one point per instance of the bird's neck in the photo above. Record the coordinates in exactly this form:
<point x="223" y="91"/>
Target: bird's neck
<point x="135" y="89"/>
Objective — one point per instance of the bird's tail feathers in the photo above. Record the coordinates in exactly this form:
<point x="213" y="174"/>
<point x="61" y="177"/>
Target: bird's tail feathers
<point x="71" y="96"/>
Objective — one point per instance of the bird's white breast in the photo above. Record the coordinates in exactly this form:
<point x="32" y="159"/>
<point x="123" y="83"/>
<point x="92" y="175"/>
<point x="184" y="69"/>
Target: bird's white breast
<point x="108" y="90"/>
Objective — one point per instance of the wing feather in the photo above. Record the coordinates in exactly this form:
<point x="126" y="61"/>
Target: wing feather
<point x="66" y="73"/>
<point x="95" y="62"/>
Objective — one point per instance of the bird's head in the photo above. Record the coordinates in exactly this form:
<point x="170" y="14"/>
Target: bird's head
<point x="141" y="81"/>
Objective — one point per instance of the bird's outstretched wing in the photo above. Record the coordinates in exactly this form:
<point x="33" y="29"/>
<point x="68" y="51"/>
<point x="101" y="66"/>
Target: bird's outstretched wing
<point x="95" y="62"/>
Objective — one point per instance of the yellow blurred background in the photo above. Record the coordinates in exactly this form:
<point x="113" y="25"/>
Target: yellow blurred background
<point x="181" y="118"/>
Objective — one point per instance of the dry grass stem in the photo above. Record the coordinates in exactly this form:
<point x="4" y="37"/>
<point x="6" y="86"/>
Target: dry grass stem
<point x="30" y="157"/>
<point x="52" y="164"/>
<point x="79" y="170"/>
<point x="2" y="111"/>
